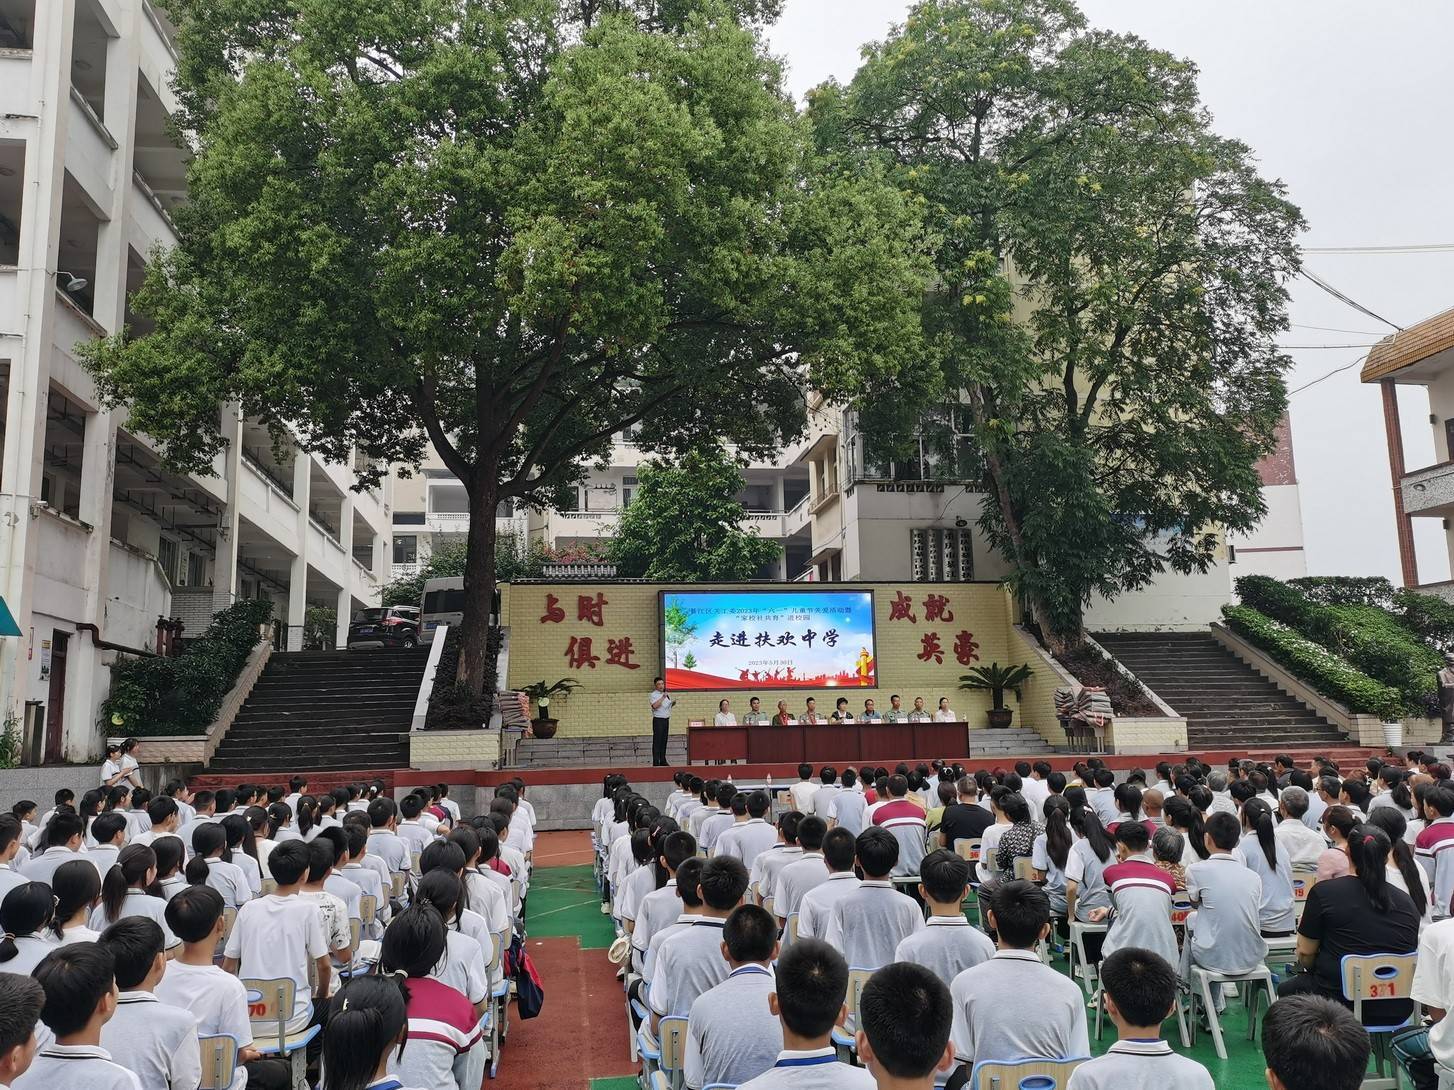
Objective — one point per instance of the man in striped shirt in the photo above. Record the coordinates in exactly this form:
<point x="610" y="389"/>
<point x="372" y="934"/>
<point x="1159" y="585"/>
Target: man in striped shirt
<point x="905" y="820"/>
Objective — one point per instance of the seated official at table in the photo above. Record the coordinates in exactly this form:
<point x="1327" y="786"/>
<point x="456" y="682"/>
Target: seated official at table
<point x="895" y="713"/>
<point x="841" y="714"/>
<point x="868" y="710"/>
<point x="725" y="715"/>
<point x="918" y="712"/>
<point x="782" y="718"/>
<point x="810" y="713"/>
<point x="754" y="711"/>
<point x="944" y="713"/>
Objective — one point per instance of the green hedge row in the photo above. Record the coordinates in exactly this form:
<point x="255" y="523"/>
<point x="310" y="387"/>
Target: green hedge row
<point x="1325" y="671"/>
<point x="1346" y="590"/>
<point x="1367" y="636"/>
<point x="182" y="695"/>
<point x="1428" y="616"/>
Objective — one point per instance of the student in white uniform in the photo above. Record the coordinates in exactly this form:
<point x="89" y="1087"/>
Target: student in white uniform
<point x="809" y="987"/>
<point x="806" y="873"/>
<point x="130" y="766"/>
<point x="25" y="918"/>
<point x="948" y="944"/>
<point x="848" y="809"/>
<point x="80" y="998"/>
<point x="77" y="892"/>
<point x="464" y="966"/>
<point x="869" y="923"/>
<point x="208" y="866"/>
<point x="384" y="841"/>
<point x="154" y="1040"/>
<point x="1139" y="991"/>
<point x="1013" y="1005"/>
<point x="732" y="1034"/>
<point x="278" y="934"/>
<point x="689" y="875"/>
<point x="332" y="912"/>
<point x="366" y="1032"/>
<point x="21" y="1000"/>
<point x="64" y="837"/>
<point x="748" y="840"/>
<point x="109" y="832"/>
<point x="111" y="773"/>
<point x="11" y="836"/>
<point x="217" y="1000"/>
<point x="905" y="1015"/>
<point x="661" y="907"/>
<point x="765" y="870"/>
<point x="691" y="962"/>
<point x="816" y="905"/>
<point x="410" y="830"/>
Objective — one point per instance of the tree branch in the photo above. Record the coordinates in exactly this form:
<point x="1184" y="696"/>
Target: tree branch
<point x="428" y="409"/>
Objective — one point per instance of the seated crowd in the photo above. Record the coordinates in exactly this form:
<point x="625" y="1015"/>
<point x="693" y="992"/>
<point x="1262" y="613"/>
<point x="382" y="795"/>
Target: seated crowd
<point x="317" y="932"/>
<point x="748" y="926"/>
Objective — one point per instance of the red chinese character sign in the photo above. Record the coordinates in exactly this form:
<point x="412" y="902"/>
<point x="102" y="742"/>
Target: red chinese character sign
<point x="930" y="648"/>
<point x="966" y="649"/>
<point x="553" y="613"/>
<point x="578" y="653"/>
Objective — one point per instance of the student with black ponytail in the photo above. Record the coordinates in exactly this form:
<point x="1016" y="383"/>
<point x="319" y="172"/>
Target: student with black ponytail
<point x="1267" y="857"/>
<point x="212" y="866"/>
<point x="25" y="918"/>
<point x="1085" y="884"/>
<point x="242" y="850"/>
<point x="1404" y="871"/>
<point x="77" y="890"/>
<point x="1357" y="914"/>
<point x="1052" y="851"/>
<point x="367" y="1029"/>
<point x="170" y="879"/>
<point x="124" y="892"/>
<point x="465" y="964"/>
<point x="447" y="1051"/>
<point x="1186" y="819"/>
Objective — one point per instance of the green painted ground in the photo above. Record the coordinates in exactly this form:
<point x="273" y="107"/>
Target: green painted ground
<point x="563" y="902"/>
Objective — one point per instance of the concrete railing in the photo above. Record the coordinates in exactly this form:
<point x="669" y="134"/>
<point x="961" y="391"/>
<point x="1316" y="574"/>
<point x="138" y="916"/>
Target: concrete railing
<point x="426" y="683"/>
<point x="183" y="749"/>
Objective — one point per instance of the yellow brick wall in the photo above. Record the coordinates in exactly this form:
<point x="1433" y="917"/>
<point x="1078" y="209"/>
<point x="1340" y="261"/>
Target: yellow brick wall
<point x="1036" y="708"/>
<point x="453" y="748"/>
<point x="612" y="700"/>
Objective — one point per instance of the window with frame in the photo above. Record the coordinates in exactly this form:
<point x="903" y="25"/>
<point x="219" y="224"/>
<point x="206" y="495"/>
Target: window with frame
<point x="167" y="558"/>
<point x="941" y="555"/>
<point x="406" y="549"/>
<point x="941" y="448"/>
<point x="196" y="569"/>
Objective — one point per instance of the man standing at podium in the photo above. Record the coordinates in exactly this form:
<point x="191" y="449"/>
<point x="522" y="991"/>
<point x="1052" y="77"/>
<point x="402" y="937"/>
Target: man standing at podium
<point x="660" y="721"/>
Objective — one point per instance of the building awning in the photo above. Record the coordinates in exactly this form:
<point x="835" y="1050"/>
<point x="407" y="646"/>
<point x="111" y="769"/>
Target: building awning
<point x="8" y="627"/>
<point x="1410" y="347"/>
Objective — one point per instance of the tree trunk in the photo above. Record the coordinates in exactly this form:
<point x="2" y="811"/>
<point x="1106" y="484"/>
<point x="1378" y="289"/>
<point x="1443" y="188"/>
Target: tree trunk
<point x="479" y="581"/>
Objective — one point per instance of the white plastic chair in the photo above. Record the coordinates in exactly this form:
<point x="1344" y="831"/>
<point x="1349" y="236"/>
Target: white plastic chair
<point x="1249" y="983"/>
<point x="219" y="1061"/>
<point x="1377" y="977"/>
<point x="843" y="1036"/>
<point x="269" y="1006"/>
<point x="1029" y="1074"/>
<point x="662" y="1053"/>
<point x="1082" y="969"/>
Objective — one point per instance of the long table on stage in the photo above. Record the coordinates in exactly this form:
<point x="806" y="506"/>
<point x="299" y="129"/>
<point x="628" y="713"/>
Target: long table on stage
<point x="768" y="743"/>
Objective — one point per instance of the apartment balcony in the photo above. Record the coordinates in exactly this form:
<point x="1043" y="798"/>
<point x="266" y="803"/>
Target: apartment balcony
<point x="799" y="518"/>
<point x="584" y="524"/>
<point x="405" y="571"/>
<point x="765" y="523"/>
<point x="447" y="522"/>
<point x="1429" y="491"/>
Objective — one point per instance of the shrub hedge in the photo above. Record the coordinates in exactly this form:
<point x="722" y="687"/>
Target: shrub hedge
<point x="1346" y="590"/>
<point x="1428" y="615"/>
<point x="1311" y="662"/>
<point x="1369" y="637"/>
<point x="171" y="696"/>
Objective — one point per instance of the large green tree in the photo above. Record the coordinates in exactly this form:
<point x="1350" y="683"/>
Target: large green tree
<point x="511" y="230"/>
<point x="1110" y="284"/>
<point x="685" y="523"/>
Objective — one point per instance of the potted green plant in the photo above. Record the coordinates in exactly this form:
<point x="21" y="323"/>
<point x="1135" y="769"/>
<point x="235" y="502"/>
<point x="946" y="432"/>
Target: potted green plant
<point x="543" y="725"/>
<point x="995" y="679"/>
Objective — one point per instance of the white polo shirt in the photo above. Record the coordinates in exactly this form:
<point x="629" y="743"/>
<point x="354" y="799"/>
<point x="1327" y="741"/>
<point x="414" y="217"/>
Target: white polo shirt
<point x="687" y="965"/>
<point x="277" y="937"/>
<point x="217" y="1001"/>
<point x="155" y="1041"/>
<point x="946" y="946"/>
<point x="76" y="1067"/>
<point x="868" y="924"/>
<point x="816" y="905"/>
<point x="137" y="902"/>
<point x="1434" y="985"/>
<point x="817" y="1069"/>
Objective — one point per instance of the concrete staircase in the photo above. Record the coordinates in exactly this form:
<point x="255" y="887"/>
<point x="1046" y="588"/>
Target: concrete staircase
<point x="320" y="711"/>
<point x="1227" y="704"/>
<point x="625" y="752"/>
<point x="1012" y="741"/>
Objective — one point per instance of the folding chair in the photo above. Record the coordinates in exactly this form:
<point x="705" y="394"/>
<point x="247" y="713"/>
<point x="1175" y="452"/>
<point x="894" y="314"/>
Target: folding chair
<point x="499" y="998"/>
<point x="368" y="909"/>
<point x="662" y="1053"/>
<point x="843" y="1036"/>
<point x="1368" y="977"/>
<point x="790" y="930"/>
<point x="1026" y="1074"/>
<point x="1024" y="868"/>
<point x="1202" y="979"/>
<point x="269" y="1006"/>
<point x="1304" y="877"/>
<point x="219" y="1061"/>
<point x="967" y="848"/>
<point x="397" y="883"/>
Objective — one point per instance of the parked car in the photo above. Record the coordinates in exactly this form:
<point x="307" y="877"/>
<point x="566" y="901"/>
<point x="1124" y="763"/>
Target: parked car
<point x="443" y="604"/>
<point x="391" y="626"/>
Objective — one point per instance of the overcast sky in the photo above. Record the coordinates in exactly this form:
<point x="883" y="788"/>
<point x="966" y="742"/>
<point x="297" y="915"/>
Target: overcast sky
<point x="1350" y="104"/>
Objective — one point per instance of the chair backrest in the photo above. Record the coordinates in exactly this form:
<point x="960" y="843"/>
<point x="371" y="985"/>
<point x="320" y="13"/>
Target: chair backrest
<point x="229" y="918"/>
<point x="270" y="886"/>
<point x="1181" y="906"/>
<point x="500" y="943"/>
<point x="967" y="848"/>
<point x="1304" y="878"/>
<point x="1023" y="1074"/>
<point x="857" y="978"/>
<point x="1376" y="976"/>
<point x="269" y="1006"/>
<point x="1024" y="868"/>
<point x="396" y="882"/>
<point x="790" y="931"/>
<point x="219" y="1061"/>
<point x="368" y="909"/>
<point x="355" y="932"/>
<point x="414" y="862"/>
<point x="672" y="1033"/>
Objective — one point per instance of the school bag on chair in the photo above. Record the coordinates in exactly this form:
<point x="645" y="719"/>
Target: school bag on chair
<point x="519" y="967"/>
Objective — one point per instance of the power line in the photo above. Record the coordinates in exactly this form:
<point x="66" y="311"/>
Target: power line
<point x="1336" y="329"/>
<point x="1336" y="294"/>
<point x="1410" y="248"/>
<point x="1305" y="347"/>
<point x="1328" y="375"/>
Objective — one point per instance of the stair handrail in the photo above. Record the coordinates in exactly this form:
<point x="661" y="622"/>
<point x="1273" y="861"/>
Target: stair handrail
<point x="426" y="683"/>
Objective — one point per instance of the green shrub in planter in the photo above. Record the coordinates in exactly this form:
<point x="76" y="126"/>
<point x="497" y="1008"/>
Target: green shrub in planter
<point x="1314" y="664"/>
<point x="1346" y="590"/>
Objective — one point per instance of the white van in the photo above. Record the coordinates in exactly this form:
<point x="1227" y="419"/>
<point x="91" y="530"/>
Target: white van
<point x="443" y="603"/>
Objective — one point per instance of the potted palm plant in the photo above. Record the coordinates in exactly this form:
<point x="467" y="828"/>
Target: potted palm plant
<point x="543" y="725"/>
<point x="995" y="679"/>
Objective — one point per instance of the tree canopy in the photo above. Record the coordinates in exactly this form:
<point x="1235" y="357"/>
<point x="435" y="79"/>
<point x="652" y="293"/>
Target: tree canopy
<point x="684" y="523"/>
<point x="512" y="230"/>
<point x="1109" y="286"/>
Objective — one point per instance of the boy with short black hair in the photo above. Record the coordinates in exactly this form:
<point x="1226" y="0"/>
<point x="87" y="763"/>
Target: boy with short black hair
<point x="904" y="1017"/>
<point x="868" y="924"/>
<point x="732" y="1034"/>
<point x="816" y="905"/>
<point x="80" y="997"/>
<point x="1139" y="992"/>
<point x="384" y="841"/>
<point x="806" y="873"/>
<point x="1013" y="1005"/>
<point x="21" y="999"/>
<point x="948" y="944"/>
<point x="808" y="992"/>
<point x="154" y="1040"/>
<point x="1312" y="1043"/>
<point x="691" y="962"/>
<point x="10" y="846"/>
